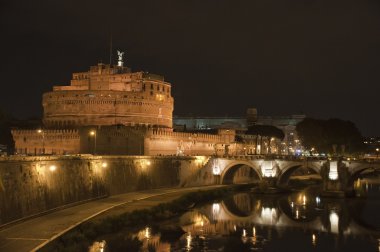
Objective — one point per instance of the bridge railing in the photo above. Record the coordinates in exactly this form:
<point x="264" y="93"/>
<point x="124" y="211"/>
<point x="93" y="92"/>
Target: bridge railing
<point x="274" y="156"/>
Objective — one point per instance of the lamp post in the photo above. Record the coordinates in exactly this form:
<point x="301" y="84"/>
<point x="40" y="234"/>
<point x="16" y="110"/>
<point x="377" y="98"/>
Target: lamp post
<point x="377" y="152"/>
<point x="40" y="131"/>
<point x="93" y="133"/>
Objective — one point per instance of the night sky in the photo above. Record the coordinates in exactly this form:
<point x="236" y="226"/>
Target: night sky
<point x="318" y="57"/>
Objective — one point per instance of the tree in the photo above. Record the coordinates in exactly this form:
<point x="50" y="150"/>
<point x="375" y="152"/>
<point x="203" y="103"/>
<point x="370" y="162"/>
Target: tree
<point x="265" y="130"/>
<point x="268" y="131"/>
<point x="324" y="134"/>
<point x="5" y="131"/>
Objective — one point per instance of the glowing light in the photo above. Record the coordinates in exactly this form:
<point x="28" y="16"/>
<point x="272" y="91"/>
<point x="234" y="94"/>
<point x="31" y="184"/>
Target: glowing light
<point x="39" y="131"/>
<point x="334" y="222"/>
<point x="292" y="204"/>
<point x="188" y="241"/>
<point x="314" y="239"/>
<point x="258" y="149"/>
<point x="160" y="97"/>
<point x="304" y="200"/>
<point x="104" y="165"/>
<point x="235" y="227"/>
<point x="297" y="214"/>
<point x="147" y="233"/>
<point x="52" y="168"/>
<point x="268" y="215"/>
<point x="333" y="172"/>
<point x="254" y="238"/>
<point x="215" y="210"/>
<point x="216" y="170"/>
<point x="148" y="162"/>
<point x="92" y="132"/>
<point x="318" y="200"/>
<point x="98" y="246"/>
<point x="267" y="169"/>
<point x="244" y="233"/>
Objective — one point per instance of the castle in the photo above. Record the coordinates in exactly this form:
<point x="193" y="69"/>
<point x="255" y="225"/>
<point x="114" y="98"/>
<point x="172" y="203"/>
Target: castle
<point x="111" y="110"/>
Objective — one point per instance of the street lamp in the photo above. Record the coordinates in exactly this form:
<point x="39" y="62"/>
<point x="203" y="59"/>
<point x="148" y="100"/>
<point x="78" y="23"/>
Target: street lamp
<point x="40" y="131"/>
<point x="377" y="152"/>
<point x="93" y="134"/>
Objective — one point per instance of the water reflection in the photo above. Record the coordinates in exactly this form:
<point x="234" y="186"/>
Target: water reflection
<point x="98" y="246"/>
<point x="295" y="222"/>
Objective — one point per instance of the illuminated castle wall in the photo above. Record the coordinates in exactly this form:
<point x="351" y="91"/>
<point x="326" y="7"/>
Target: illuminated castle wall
<point x="108" y="95"/>
<point x="129" y="113"/>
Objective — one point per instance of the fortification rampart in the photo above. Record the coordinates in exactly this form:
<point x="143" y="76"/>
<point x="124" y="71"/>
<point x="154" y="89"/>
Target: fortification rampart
<point x="47" y="141"/>
<point x="31" y="185"/>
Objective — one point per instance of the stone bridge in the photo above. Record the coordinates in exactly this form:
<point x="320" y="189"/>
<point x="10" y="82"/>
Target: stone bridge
<point x="337" y="174"/>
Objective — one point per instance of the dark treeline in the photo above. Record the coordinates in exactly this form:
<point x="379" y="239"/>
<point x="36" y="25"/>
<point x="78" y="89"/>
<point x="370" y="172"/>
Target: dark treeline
<point x="330" y="136"/>
<point x="265" y="130"/>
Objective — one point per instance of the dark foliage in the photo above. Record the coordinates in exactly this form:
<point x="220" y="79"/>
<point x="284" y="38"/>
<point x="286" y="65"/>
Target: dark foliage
<point x="265" y="130"/>
<point x="5" y="132"/>
<point x="324" y="134"/>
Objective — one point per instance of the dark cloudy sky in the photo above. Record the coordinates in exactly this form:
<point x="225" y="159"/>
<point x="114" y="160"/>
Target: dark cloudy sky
<point x="318" y="57"/>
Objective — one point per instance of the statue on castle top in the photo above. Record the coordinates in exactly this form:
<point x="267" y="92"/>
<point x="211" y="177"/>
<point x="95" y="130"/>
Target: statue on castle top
<point x="120" y="58"/>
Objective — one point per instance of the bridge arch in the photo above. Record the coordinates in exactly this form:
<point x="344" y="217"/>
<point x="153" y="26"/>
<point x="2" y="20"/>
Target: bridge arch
<point x="227" y="175"/>
<point x="287" y="171"/>
<point x="357" y="171"/>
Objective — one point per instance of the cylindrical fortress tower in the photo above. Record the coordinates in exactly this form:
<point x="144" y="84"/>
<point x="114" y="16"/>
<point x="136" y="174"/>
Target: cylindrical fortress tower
<point x="108" y="95"/>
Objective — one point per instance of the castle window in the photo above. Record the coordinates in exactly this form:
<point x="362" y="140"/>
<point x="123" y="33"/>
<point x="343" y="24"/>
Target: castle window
<point x="158" y="87"/>
<point x="151" y="92"/>
<point x="151" y="86"/>
<point x="24" y="139"/>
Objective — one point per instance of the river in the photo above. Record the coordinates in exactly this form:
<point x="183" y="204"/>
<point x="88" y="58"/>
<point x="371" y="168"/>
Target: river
<point x="300" y="221"/>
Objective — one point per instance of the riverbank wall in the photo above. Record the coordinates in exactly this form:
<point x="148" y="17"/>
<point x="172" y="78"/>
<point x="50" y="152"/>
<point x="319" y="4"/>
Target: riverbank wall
<point x="34" y="185"/>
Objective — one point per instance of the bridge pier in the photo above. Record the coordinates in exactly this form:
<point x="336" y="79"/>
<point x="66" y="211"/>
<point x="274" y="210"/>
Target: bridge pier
<point x="335" y="177"/>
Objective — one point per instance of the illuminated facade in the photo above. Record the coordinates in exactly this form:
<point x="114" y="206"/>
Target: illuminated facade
<point x="107" y="95"/>
<point x="112" y="110"/>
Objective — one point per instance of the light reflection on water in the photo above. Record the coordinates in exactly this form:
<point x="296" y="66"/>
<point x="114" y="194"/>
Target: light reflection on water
<point x="294" y="222"/>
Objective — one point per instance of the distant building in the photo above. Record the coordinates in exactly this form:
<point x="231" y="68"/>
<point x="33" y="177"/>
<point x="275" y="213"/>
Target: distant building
<point x="287" y="124"/>
<point x="373" y="145"/>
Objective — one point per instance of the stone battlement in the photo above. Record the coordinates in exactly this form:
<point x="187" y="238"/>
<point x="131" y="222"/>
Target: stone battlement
<point x="185" y="135"/>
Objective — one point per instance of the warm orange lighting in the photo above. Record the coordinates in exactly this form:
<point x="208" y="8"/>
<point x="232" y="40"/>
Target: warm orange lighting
<point x="314" y="239"/>
<point x="160" y="97"/>
<point x="104" y="165"/>
<point x="92" y="132"/>
<point x="52" y="168"/>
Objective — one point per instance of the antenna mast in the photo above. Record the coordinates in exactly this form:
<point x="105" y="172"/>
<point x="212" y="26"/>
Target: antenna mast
<point x="111" y="50"/>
